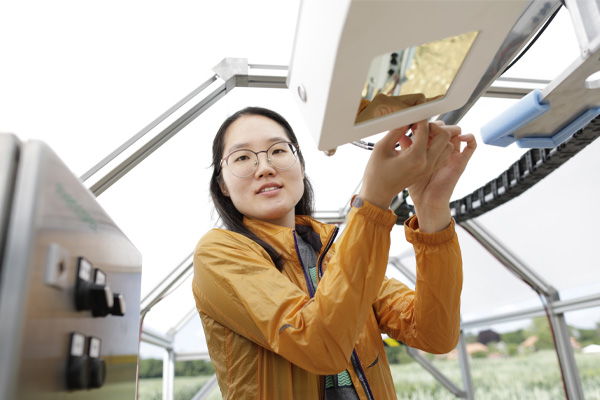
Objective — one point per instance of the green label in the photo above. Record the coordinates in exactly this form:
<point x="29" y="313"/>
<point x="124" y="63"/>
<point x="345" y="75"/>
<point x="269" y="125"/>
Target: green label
<point x="72" y="204"/>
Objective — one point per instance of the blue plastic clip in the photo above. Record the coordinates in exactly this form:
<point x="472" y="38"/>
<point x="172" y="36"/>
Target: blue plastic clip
<point x="498" y="131"/>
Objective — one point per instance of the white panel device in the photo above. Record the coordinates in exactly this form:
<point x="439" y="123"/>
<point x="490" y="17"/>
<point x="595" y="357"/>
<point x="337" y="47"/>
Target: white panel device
<point x="339" y="43"/>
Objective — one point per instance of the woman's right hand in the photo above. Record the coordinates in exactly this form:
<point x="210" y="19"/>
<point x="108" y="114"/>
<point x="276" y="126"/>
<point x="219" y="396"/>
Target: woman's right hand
<point x="390" y="171"/>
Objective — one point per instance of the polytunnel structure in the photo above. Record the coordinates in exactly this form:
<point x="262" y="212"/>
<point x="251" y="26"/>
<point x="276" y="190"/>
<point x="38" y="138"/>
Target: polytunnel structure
<point x="108" y="114"/>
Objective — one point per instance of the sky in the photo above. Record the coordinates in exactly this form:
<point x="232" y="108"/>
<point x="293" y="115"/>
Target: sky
<point x="86" y="76"/>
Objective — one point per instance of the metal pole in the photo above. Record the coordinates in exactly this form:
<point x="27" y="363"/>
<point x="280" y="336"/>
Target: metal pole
<point x="509" y="260"/>
<point x="118" y="172"/>
<point x="564" y="350"/>
<point x="559" y="306"/>
<point x="206" y="388"/>
<point x="465" y="367"/>
<point x="558" y="326"/>
<point x="169" y="375"/>
<point x="233" y="71"/>
<point x="436" y="373"/>
<point x="146" y="129"/>
<point x="177" y="274"/>
<point x="193" y="312"/>
<point x="463" y="356"/>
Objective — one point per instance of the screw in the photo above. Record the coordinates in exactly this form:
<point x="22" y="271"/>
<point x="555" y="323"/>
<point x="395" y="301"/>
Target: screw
<point x="330" y="152"/>
<point x="302" y="93"/>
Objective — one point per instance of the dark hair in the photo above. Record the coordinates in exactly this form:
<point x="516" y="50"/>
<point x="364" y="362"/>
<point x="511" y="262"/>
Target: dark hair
<point x="230" y="215"/>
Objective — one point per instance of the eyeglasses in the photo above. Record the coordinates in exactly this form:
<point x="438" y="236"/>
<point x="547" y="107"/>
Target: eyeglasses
<point x="243" y="163"/>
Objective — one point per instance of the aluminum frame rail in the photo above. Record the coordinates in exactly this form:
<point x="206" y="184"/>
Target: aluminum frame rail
<point x="167" y="284"/>
<point x="207" y="388"/>
<point x="168" y="380"/>
<point x="531" y="20"/>
<point x="156" y="338"/>
<point x="559" y="306"/>
<point x="232" y="71"/>
<point x="463" y="357"/>
<point x="558" y="326"/>
<point x="146" y="129"/>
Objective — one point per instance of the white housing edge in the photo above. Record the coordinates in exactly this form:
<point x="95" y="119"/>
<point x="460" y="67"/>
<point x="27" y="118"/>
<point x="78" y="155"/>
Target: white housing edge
<point x="336" y="41"/>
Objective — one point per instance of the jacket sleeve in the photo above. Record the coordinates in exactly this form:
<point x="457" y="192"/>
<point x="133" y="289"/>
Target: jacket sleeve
<point x="427" y="318"/>
<point x="236" y="284"/>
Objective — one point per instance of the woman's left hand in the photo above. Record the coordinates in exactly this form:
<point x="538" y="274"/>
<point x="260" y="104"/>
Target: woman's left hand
<point x="431" y="196"/>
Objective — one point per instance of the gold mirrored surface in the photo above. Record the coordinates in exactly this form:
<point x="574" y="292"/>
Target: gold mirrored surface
<point x="429" y="69"/>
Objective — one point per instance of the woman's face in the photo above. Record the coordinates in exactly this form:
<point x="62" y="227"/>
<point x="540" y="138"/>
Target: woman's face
<point x="249" y="194"/>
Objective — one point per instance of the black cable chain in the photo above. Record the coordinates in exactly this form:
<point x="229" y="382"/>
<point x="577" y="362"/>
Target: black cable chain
<point x="532" y="167"/>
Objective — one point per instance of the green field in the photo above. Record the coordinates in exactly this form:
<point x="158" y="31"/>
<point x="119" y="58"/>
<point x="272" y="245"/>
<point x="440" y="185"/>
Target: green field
<point x="185" y="388"/>
<point x="535" y="376"/>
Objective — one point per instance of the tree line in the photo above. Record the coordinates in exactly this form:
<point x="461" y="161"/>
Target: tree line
<point x="511" y="340"/>
<point x="152" y="368"/>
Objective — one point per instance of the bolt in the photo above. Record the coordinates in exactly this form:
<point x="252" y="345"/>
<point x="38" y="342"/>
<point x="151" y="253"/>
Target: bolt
<point x="302" y="93"/>
<point x="330" y="152"/>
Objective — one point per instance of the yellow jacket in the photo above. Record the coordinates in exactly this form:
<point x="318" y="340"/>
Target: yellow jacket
<point x="269" y="340"/>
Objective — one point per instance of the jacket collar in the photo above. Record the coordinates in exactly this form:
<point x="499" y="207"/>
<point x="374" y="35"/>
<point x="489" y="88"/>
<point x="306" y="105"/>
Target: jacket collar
<point x="282" y="238"/>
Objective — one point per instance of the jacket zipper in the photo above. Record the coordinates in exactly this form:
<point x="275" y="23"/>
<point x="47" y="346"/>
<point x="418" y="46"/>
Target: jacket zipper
<point x="309" y="286"/>
<point x="327" y="247"/>
<point x="319" y="276"/>
<point x="354" y="358"/>
<point x="304" y="270"/>
<point x="360" y="373"/>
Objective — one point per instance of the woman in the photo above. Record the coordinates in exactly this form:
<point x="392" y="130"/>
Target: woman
<point x="287" y="314"/>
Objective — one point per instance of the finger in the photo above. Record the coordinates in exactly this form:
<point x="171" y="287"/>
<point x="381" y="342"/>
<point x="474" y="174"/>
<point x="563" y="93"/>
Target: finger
<point x="440" y="147"/>
<point x="420" y="134"/>
<point x="469" y="149"/>
<point x="391" y="138"/>
<point x="405" y="142"/>
<point x="454" y="130"/>
<point x="439" y="136"/>
<point x="456" y="143"/>
<point x="444" y="156"/>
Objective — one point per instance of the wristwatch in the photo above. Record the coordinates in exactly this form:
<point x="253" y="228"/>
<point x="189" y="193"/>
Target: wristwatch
<point x="357" y="201"/>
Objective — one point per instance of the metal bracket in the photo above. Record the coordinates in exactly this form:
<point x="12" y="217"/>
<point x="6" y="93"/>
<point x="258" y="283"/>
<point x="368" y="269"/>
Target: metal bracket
<point x="585" y="15"/>
<point x="437" y="374"/>
<point x="234" y="71"/>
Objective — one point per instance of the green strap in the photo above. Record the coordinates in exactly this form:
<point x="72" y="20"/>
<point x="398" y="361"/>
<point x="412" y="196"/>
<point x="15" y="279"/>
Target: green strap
<point x="343" y="378"/>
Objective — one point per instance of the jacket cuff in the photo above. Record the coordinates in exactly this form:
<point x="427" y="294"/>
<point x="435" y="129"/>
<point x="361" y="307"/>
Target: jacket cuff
<point x="411" y="230"/>
<point x="378" y="215"/>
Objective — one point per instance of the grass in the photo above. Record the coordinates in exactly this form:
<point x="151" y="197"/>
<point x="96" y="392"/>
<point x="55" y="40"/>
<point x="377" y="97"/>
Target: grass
<point x="535" y="376"/>
<point x="185" y="388"/>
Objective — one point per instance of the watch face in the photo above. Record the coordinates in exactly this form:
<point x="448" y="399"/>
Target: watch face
<point x="357" y="202"/>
